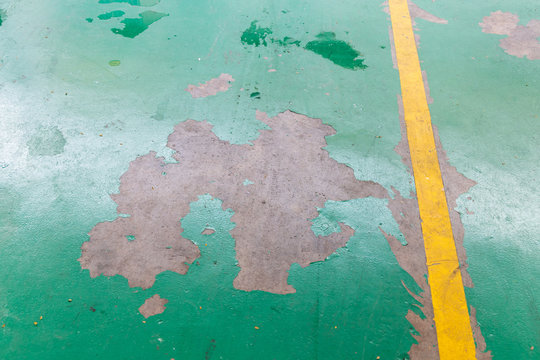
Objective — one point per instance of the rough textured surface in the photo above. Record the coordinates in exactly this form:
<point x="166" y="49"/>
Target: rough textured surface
<point x="521" y="41"/>
<point x="211" y="87"/>
<point x="153" y="306"/>
<point x="292" y="176"/>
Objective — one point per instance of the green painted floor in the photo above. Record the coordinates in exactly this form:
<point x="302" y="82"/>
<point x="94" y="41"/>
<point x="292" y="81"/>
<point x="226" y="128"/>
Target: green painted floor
<point x="87" y="87"/>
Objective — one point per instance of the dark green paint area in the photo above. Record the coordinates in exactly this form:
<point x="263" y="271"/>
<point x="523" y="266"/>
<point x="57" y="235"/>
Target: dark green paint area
<point x="89" y="20"/>
<point x="256" y="95"/>
<point x="132" y="2"/>
<point x="48" y="141"/>
<point x="2" y="16"/>
<point x="112" y="14"/>
<point x="255" y="35"/>
<point x="337" y="51"/>
<point x="287" y="41"/>
<point x="134" y="27"/>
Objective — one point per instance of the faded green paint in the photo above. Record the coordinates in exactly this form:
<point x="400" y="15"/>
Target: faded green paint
<point x="134" y="27"/>
<point x="112" y="14"/>
<point x="337" y="51"/>
<point x="47" y="141"/>
<point x="255" y="35"/>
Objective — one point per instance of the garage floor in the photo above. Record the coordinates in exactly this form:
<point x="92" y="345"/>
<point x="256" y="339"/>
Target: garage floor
<point x="269" y="179"/>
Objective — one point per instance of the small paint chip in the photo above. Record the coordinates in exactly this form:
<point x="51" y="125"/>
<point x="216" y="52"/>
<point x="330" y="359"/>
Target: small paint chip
<point x="70" y="300"/>
<point x="272" y="70"/>
<point x="114" y="63"/>
<point x="41" y="318"/>
<point x="256" y="328"/>
<point x="3" y="325"/>
<point x="35" y="323"/>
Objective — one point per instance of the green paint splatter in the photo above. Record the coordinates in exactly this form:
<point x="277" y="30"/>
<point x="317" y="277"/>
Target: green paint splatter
<point x="130" y="237"/>
<point x="132" y="2"/>
<point x="287" y="41"/>
<point x="134" y="27"/>
<point x="112" y="14"/>
<point x="256" y="95"/>
<point x="337" y="51"/>
<point x="89" y="20"/>
<point x="255" y="35"/>
<point x="248" y="182"/>
<point x="2" y="16"/>
<point x="114" y="63"/>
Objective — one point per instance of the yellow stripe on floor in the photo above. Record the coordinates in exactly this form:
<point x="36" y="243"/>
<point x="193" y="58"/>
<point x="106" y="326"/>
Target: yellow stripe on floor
<point x="454" y="334"/>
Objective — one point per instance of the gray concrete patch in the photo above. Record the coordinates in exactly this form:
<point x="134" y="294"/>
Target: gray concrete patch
<point x="211" y="87"/>
<point x="292" y="176"/>
<point x="153" y="306"/>
<point x="521" y="41"/>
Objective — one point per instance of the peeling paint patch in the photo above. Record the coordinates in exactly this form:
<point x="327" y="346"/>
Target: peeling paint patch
<point x="211" y="87"/>
<point x="337" y="51"/>
<point x="412" y="257"/>
<point x="255" y="35"/>
<point x="153" y="306"/>
<point x="136" y="26"/>
<point x="521" y="41"/>
<point x="292" y="177"/>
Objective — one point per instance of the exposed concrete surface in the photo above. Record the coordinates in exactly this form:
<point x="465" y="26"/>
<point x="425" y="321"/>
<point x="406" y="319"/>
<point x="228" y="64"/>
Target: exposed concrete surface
<point x="521" y="41"/>
<point x="292" y="176"/>
<point x="211" y="87"/>
<point x="153" y="306"/>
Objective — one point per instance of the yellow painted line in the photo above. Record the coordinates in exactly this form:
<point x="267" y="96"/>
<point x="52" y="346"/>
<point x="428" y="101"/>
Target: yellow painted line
<point x="454" y="333"/>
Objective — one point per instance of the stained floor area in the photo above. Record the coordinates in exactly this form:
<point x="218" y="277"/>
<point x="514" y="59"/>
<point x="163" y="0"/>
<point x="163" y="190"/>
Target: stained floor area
<point x="232" y="180"/>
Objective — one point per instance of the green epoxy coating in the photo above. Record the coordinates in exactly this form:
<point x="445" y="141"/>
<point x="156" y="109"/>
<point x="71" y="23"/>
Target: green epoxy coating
<point x="50" y="203"/>
<point x="337" y="51"/>
<point x="255" y="35"/>
<point x="110" y="15"/>
<point x="134" y="27"/>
